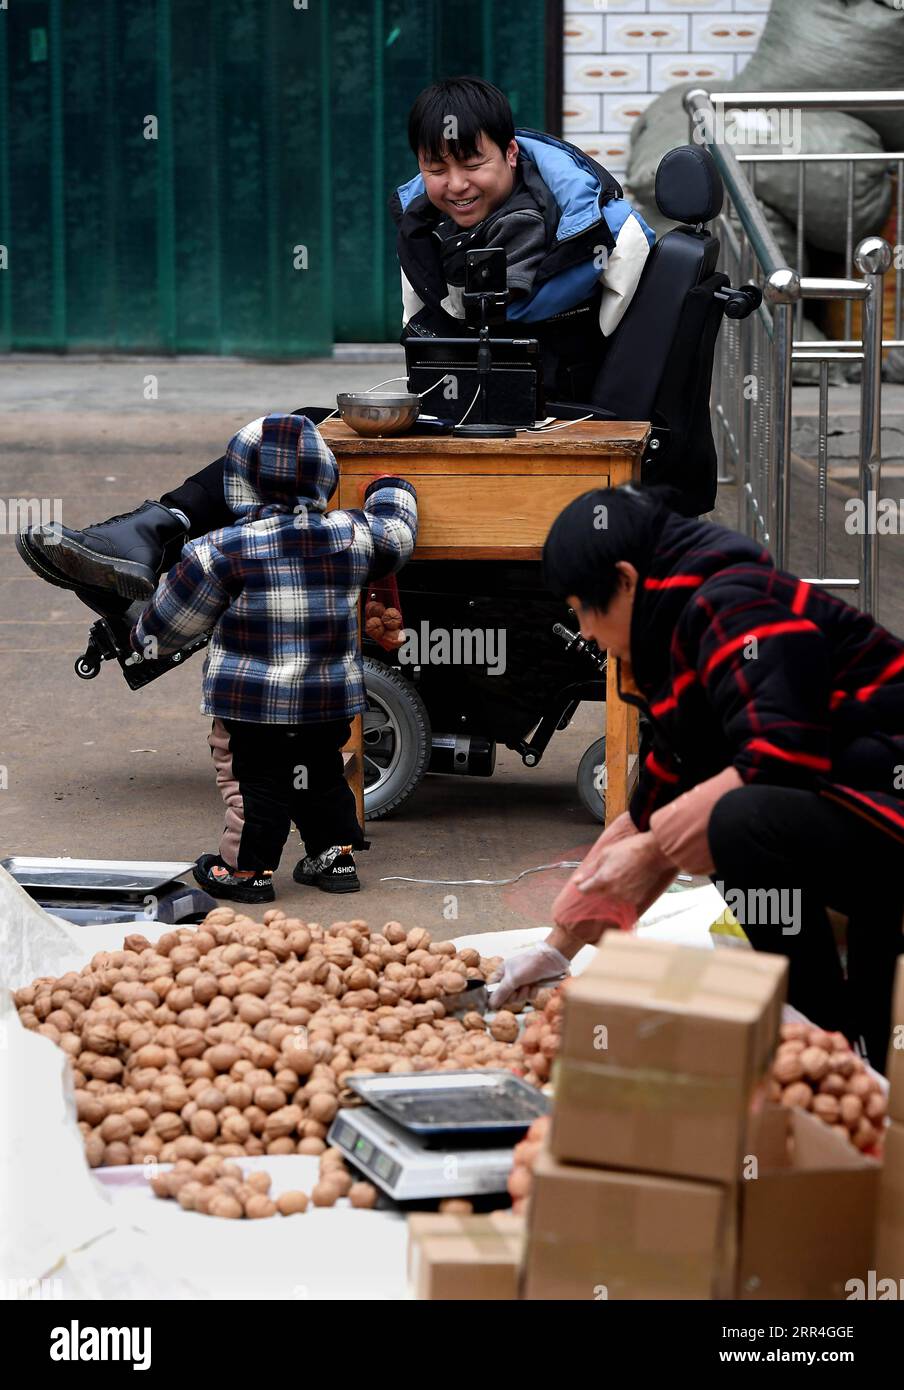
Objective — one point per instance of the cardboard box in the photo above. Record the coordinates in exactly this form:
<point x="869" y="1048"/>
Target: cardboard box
<point x="808" y="1211"/>
<point x="424" y="1224"/>
<point x="470" y="1257"/>
<point x="889" y="1261"/>
<point x="661" y="1048"/>
<point x="596" y="1233"/>
<point x="895" y="1065"/>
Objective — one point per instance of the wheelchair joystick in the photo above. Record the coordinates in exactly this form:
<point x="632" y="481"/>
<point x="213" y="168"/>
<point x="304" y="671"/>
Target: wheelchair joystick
<point x="740" y="303"/>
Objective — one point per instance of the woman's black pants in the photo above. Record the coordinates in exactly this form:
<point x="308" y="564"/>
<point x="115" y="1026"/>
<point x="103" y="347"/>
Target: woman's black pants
<point x="784" y="856"/>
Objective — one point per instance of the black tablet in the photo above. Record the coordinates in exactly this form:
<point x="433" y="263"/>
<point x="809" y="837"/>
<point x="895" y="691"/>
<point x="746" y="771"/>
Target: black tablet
<point x="449" y="367"/>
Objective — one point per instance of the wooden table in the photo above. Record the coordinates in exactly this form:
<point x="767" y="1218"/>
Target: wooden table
<point x="495" y="499"/>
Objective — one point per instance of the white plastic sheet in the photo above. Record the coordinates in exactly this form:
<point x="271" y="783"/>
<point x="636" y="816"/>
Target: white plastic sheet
<point x="98" y="1236"/>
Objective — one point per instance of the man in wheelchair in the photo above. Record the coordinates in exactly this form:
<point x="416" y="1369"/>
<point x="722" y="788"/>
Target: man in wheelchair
<point x="575" y="250"/>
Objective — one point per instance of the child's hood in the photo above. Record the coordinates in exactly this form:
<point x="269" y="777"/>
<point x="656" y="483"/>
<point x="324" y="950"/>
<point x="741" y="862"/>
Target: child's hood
<point x="279" y="463"/>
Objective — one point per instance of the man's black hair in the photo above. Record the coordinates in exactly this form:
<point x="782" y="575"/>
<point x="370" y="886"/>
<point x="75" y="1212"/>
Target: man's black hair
<point x="473" y="104"/>
<point x="595" y="531"/>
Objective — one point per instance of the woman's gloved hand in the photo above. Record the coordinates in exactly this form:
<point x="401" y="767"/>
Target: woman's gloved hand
<point x="522" y="972"/>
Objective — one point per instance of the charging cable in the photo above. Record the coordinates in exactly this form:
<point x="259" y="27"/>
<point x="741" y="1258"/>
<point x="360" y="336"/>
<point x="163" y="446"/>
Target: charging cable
<point x="546" y="429"/>
<point x="501" y="882"/>
<point x="388" y="382"/>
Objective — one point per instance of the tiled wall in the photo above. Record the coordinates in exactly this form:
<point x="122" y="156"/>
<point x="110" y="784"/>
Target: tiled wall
<point x="620" y="53"/>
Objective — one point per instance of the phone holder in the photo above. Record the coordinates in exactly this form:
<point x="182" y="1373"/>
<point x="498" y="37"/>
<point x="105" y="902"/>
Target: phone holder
<point x="486" y="307"/>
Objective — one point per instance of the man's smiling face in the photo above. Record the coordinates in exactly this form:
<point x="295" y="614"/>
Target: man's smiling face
<point x="468" y="190"/>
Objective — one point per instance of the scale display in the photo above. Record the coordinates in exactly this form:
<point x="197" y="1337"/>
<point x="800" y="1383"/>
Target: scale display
<point x="406" y="1169"/>
<point x="437" y="1134"/>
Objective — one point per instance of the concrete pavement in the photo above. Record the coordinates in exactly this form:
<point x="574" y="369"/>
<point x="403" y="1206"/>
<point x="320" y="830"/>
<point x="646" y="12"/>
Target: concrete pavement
<point x="91" y="769"/>
<point x="96" y="770"/>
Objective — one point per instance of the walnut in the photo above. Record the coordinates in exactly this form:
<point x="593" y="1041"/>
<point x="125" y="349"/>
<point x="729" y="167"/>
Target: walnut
<point x="797" y="1096"/>
<point x="788" y="1068"/>
<point x="827" y="1108"/>
<point x="816" y="1062"/>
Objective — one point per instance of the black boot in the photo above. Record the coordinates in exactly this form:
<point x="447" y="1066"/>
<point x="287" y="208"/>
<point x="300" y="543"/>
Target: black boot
<point x="125" y="554"/>
<point x="40" y="563"/>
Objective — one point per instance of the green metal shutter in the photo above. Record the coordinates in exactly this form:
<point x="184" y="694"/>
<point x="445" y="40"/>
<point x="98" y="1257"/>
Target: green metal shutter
<point x="256" y="221"/>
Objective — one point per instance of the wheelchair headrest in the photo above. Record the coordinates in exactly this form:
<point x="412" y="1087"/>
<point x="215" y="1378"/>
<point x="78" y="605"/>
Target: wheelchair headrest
<point x="688" y="185"/>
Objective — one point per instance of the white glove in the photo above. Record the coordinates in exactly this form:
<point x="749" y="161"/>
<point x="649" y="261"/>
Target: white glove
<point x="516" y="977"/>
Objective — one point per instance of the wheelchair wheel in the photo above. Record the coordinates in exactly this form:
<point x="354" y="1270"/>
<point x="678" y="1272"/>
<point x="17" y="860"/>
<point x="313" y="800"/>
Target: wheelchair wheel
<point x="591" y="780"/>
<point x="397" y="740"/>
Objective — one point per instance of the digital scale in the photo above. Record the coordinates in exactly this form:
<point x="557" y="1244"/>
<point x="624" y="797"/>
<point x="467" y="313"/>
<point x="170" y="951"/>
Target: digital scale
<point x="437" y="1134"/>
<point x="111" y="890"/>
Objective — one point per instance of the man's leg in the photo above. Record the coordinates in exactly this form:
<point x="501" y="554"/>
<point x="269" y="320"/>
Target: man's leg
<point x="789" y="855"/>
<point x="126" y="554"/>
<point x="201" y="500"/>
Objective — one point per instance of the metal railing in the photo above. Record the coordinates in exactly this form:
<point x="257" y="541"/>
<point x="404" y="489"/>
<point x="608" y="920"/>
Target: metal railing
<point x="753" y="373"/>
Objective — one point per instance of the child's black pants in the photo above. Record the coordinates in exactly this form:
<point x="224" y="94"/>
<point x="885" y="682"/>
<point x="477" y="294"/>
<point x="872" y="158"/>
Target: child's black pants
<point x="286" y="773"/>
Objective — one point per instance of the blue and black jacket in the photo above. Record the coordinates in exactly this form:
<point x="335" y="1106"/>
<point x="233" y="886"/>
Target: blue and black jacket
<point x="586" y="213"/>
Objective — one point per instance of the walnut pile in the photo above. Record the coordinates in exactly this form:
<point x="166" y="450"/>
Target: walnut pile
<point x="521" y="1177"/>
<point x="383" y="624"/>
<point x="215" y="1187"/>
<point x="818" y="1071"/>
<point x="238" y="1037"/>
<point x="542" y="1033"/>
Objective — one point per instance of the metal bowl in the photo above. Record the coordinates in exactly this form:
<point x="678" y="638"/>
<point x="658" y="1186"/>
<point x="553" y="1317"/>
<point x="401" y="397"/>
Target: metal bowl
<point x="374" y="413"/>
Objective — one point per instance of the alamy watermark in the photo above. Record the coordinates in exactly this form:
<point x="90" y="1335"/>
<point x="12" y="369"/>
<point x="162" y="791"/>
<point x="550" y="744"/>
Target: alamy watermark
<point x="877" y="516"/>
<point x="874" y="1288"/>
<point x="771" y="127"/>
<point x="77" y="1343"/>
<point x="19" y="514"/>
<point x="457" y="646"/>
<point x="764" y="907"/>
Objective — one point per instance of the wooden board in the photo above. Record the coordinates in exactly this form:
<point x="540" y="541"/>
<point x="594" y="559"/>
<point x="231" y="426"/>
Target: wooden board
<point x="461" y="513"/>
<point x="490" y="498"/>
<point x="581" y="436"/>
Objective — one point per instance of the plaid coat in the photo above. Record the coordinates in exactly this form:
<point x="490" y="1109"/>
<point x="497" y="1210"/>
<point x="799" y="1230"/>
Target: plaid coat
<point x="280" y="588"/>
<point x="742" y="664"/>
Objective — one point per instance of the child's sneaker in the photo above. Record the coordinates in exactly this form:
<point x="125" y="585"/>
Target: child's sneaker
<point x="239" y="885"/>
<point x="334" y="870"/>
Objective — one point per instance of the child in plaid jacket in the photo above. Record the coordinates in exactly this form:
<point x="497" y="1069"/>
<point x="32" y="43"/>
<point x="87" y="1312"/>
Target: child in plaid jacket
<point x="283" y="675"/>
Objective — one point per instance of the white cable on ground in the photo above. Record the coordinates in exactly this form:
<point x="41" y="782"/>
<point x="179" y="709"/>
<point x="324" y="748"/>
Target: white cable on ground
<point x="484" y="882"/>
